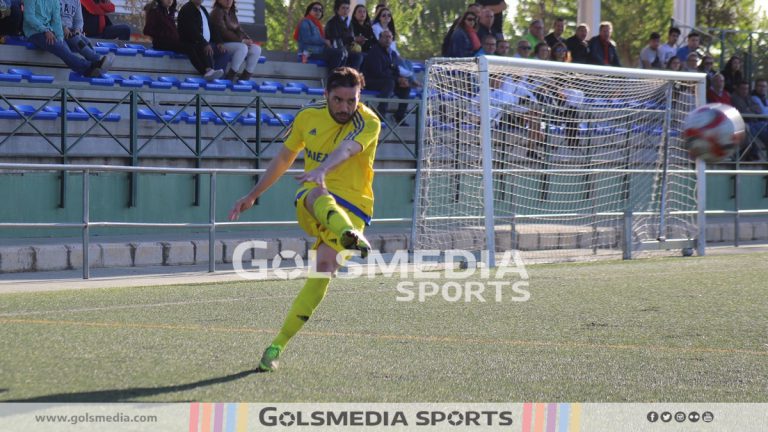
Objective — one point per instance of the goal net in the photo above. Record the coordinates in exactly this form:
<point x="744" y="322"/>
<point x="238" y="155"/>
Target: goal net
<point x="559" y="161"/>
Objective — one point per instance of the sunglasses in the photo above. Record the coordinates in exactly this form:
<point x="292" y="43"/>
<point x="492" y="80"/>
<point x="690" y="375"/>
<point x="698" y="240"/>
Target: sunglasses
<point x="317" y="9"/>
<point x="524" y="48"/>
<point x="386" y="15"/>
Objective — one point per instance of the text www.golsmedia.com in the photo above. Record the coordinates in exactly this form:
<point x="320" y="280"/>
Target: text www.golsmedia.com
<point x="92" y="418"/>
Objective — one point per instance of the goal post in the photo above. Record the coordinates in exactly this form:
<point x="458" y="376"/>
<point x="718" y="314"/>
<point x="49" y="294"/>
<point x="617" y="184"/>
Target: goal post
<point x="555" y="159"/>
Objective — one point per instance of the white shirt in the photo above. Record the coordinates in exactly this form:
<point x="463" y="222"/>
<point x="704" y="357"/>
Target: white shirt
<point x="666" y="52"/>
<point x="206" y="29"/>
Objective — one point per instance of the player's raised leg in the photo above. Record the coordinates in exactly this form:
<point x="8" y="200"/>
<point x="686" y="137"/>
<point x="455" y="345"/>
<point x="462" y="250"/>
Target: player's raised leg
<point x="323" y="206"/>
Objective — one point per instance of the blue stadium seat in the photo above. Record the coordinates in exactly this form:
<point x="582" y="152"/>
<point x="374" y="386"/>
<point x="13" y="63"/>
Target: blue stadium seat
<point x="29" y="110"/>
<point x="373" y="93"/>
<point x="262" y="59"/>
<point x="100" y="81"/>
<point x="138" y="47"/>
<point x="303" y="88"/>
<point x="9" y="77"/>
<point x="263" y="88"/>
<point x="176" y="82"/>
<point x="156" y="53"/>
<point x="9" y="114"/>
<point x="111" y="46"/>
<point x="176" y="55"/>
<point x="17" y="40"/>
<point x="129" y="52"/>
<point x="249" y="119"/>
<point x="101" y="50"/>
<point x="242" y="86"/>
<point x="205" y="84"/>
<point x="151" y="82"/>
<point x="278" y="85"/>
<point x="281" y="119"/>
<point x="31" y="76"/>
<point x="318" y="63"/>
<point x="146" y="114"/>
<point x="418" y="67"/>
<point x="174" y="116"/>
<point x="71" y="115"/>
<point x="124" y="82"/>
<point x="192" y="119"/>
<point x="99" y="114"/>
<point x="315" y="91"/>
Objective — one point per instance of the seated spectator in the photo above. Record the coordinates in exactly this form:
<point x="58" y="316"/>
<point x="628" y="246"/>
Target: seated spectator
<point x="243" y="51"/>
<point x="340" y="36"/>
<point x="497" y="7"/>
<point x="742" y="101"/>
<point x="535" y="34"/>
<point x="42" y="25"/>
<point x="674" y="64"/>
<point x="199" y="41"/>
<point x="475" y="8"/>
<point x="160" y="25"/>
<point x="602" y="49"/>
<point x="560" y="53"/>
<point x="650" y="58"/>
<point x="717" y="92"/>
<point x="362" y="28"/>
<point x="72" y="27"/>
<point x="98" y="25"/>
<point x="382" y="75"/>
<point x="310" y="35"/>
<point x="693" y="46"/>
<point x="691" y="63"/>
<point x="502" y="47"/>
<point x="707" y="66"/>
<point x="383" y="19"/>
<point x="523" y="49"/>
<point x="760" y="95"/>
<point x="542" y="51"/>
<point x="578" y="45"/>
<point x="10" y="17"/>
<point x="557" y="33"/>
<point x="464" y="41"/>
<point x="488" y="46"/>
<point x="669" y="49"/>
<point x="485" y="24"/>
<point x="733" y="73"/>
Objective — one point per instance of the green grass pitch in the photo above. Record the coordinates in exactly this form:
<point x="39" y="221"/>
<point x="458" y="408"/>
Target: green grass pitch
<point x="661" y="329"/>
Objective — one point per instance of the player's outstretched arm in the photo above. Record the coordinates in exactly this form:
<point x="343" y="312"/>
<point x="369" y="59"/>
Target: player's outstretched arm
<point x="344" y="151"/>
<point x="274" y="170"/>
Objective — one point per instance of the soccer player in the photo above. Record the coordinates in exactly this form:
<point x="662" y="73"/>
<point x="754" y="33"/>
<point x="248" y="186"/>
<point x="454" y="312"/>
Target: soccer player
<point x="335" y="200"/>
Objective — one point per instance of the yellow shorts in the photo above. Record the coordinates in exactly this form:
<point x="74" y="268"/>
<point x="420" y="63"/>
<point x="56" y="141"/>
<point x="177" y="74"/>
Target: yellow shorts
<point x="311" y="226"/>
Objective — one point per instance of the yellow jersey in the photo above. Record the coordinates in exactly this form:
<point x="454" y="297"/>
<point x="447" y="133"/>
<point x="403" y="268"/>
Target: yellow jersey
<point x="318" y="134"/>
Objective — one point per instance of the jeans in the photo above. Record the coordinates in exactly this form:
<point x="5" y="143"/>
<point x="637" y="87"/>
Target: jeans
<point x="81" y="45"/>
<point x="115" y="31"/>
<point x="62" y="51"/>
<point x="386" y="88"/>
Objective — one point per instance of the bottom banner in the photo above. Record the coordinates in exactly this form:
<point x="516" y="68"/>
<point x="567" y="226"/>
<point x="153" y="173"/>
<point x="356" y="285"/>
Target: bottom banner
<point x="525" y="417"/>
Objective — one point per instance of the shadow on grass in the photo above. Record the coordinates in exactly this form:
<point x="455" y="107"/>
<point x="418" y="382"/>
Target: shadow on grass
<point x="118" y="395"/>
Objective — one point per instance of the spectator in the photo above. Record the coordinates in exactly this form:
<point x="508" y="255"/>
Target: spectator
<point x="693" y="45"/>
<point x="602" y="49"/>
<point x="464" y="41"/>
<point x="691" y="63"/>
<point x="310" y="35"/>
<point x="542" y="51"/>
<point x="707" y="66"/>
<point x="560" y="53"/>
<point x="383" y="19"/>
<point x="732" y="73"/>
<point x="340" y="35"/>
<point x="717" y="92"/>
<point x="42" y="25"/>
<point x="535" y="33"/>
<point x="497" y="7"/>
<point x="160" y="25"/>
<point x="362" y="29"/>
<point x="485" y="24"/>
<point x="578" y="45"/>
<point x="98" y="25"/>
<point x="760" y="95"/>
<point x="383" y="75"/>
<point x="650" y="56"/>
<point x="488" y="46"/>
<point x="557" y="33"/>
<point x="475" y="8"/>
<point x="742" y="101"/>
<point x="502" y="47"/>
<point x="72" y="28"/>
<point x="244" y="52"/>
<point x="523" y="49"/>
<point x="10" y="17"/>
<point x="674" y="64"/>
<point x="202" y="45"/>
<point x="669" y="49"/>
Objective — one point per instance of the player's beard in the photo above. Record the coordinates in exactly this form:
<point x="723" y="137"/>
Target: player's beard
<point x="342" y="118"/>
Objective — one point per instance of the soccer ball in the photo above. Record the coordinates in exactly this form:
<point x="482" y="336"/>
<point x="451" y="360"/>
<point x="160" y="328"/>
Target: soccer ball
<point x="713" y="132"/>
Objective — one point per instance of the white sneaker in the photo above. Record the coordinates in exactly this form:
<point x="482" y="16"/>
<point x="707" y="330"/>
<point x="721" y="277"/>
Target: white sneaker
<point x="213" y="74"/>
<point x="106" y="63"/>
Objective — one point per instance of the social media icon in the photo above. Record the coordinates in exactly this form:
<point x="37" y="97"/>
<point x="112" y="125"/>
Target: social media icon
<point x="680" y="416"/>
<point x="693" y="416"/>
<point x="666" y="417"/>
<point x="652" y="417"/>
<point x="707" y="416"/>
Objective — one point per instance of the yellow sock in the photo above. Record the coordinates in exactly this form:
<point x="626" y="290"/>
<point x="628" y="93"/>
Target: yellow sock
<point x="333" y="217"/>
<point x="305" y="303"/>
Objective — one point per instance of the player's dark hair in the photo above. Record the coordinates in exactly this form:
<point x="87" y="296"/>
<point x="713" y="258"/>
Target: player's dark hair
<point x="344" y="77"/>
